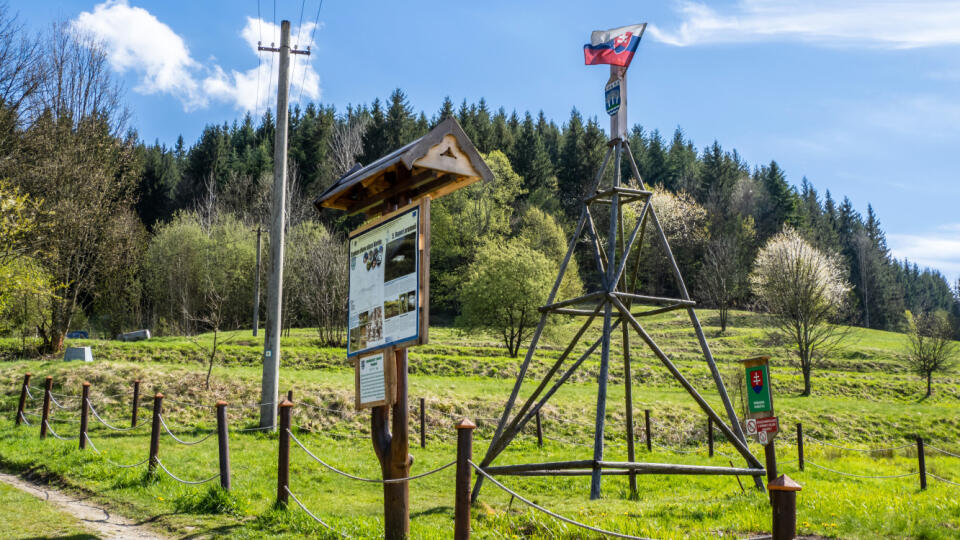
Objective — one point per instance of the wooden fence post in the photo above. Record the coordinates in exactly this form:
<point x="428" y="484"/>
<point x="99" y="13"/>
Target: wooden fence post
<point x="710" y="435"/>
<point x="223" y="444"/>
<point x="770" y="453"/>
<point x="423" y="423"/>
<point x="47" y="386"/>
<point x="23" y="398"/>
<point x="136" y="403"/>
<point x="800" y="445"/>
<point x="461" y="513"/>
<point x="290" y="396"/>
<point x="783" y="499"/>
<point x="84" y="411"/>
<point x="922" y="462"/>
<point x="283" y="455"/>
<point x="155" y="434"/>
<point x="539" y="431"/>
<point x="646" y="422"/>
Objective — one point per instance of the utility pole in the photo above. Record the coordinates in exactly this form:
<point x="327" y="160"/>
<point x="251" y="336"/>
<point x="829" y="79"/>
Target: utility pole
<point x="256" y="288"/>
<point x="271" y="345"/>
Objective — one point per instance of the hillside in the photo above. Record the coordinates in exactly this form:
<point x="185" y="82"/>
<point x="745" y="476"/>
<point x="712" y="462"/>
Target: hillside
<point x="863" y="397"/>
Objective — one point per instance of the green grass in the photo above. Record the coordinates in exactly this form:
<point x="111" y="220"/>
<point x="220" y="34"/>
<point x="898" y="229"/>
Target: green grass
<point x="863" y="396"/>
<point x="25" y="516"/>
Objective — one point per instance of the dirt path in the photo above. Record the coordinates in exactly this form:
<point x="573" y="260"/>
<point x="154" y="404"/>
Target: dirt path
<point x="96" y="518"/>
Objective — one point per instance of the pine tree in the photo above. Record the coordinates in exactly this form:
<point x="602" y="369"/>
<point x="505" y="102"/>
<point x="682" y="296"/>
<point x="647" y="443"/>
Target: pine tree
<point x="530" y="159"/>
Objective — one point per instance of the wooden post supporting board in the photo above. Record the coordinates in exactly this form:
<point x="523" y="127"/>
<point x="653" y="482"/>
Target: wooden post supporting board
<point x="23" y="398"/>
<point x="461" y="513"/>
<point x="770" y="453"/>
<point x="392" y="446"/>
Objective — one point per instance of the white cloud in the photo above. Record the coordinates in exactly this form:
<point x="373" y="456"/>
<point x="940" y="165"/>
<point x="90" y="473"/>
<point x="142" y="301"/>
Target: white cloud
<point x="939" y="250"/>
<point x="138" y="42"/>
<point x="886" y="24"/>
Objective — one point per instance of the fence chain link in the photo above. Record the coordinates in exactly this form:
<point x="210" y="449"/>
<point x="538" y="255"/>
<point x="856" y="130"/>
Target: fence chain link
<point x="54" y="433"/>
<point x="104" y="422"/>
<point x="548" y="512"/>
<point x="108" y="460"/>
<point x="361" y="479"/>
<point x="808" y="462"/>
<point x="181" y="441"/>
<point x="182" y="481"/>
<point x="309" y="513"/>
<point x="866" y="450"/>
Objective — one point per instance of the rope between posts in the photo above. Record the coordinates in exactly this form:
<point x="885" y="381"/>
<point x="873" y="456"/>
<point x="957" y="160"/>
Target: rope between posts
<point x="361" y="479"/>
<point x="27" y="388"/>
<point x="57" y="403"/>
<point x="942" y="451"/>
<point x="251" y="429"/>
<point x="54" y="433"/>
<point x="24" y="418"/>
<point x="184" y="403"/>
<point x="944" y="480"/>
<point x="104" y="422"/>
<point x="808" y="462"/>
<point x="108" y="460"/>
<point x="309" y="513"/>
<point x="182" y="481"/>
<point x="548" y="512"/>
<point x="181" y="441"/>
<point x="807" y="437"/>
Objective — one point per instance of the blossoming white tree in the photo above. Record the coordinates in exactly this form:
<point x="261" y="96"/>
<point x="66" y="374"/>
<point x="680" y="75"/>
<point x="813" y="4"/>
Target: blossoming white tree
<point x="804" y="289"/>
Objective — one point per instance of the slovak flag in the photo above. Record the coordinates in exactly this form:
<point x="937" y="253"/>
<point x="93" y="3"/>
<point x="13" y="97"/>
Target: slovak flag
<point x="615" y="46"/>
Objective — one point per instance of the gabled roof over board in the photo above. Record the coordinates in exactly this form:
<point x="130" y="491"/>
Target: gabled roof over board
<point x="442" y="161"/>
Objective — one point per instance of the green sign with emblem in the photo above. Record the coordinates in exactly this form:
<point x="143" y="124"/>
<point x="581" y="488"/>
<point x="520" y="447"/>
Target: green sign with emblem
<point x="758" y="389"/>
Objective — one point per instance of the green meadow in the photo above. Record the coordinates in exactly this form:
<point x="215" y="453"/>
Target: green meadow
<point x="863" y="397"/>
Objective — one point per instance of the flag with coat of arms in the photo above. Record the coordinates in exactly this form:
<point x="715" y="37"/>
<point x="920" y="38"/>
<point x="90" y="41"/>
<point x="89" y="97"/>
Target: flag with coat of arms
<point x="615" y="46"/>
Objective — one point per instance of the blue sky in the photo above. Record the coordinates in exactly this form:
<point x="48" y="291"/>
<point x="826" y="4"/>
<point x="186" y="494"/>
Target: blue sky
<point x="862" y="98"/>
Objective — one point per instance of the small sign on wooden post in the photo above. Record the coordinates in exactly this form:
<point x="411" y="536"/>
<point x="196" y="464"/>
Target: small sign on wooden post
<point x="375" y="379"/>
<point x="760" y="418"/>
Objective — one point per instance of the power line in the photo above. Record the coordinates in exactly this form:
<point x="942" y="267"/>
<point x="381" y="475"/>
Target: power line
<point x="296" y="44"/>
<point x="256" y="104"/>
<point x="313" y="31"/>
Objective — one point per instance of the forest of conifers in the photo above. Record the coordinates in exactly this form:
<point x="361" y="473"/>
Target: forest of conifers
<point x="169" y="237"/>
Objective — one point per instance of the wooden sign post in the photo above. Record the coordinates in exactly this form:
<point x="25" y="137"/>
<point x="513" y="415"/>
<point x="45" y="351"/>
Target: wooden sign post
<point x="389" y="300"/>
<point x="760" y="419"/>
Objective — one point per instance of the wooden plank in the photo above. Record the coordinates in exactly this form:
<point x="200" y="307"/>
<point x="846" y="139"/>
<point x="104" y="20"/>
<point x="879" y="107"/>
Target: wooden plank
<point x="555" y="465"/>
<point x="425" y="270"/>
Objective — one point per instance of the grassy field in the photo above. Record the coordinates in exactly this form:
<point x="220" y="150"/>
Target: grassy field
<point x="863" y="397"/>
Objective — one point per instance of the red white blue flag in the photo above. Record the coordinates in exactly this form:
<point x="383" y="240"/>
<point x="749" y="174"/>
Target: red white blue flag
<point x="615" y="46"/>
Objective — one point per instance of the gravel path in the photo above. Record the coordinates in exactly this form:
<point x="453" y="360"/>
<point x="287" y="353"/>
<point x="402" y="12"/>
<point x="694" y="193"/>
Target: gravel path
<point x="96" y="518"/>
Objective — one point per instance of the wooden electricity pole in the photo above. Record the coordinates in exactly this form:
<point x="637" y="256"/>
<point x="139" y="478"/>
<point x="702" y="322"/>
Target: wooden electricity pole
<point x="256" y="288"/>
<point x="271" y="345"/>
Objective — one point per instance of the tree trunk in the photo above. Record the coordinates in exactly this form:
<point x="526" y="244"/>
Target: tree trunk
<point x="929" y="384"/>
<point x="806" y="382"/>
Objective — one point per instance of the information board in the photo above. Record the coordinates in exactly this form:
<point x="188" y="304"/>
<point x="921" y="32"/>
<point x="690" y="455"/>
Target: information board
<point x="387" y="271"/>
<point x="375" y="379"/>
